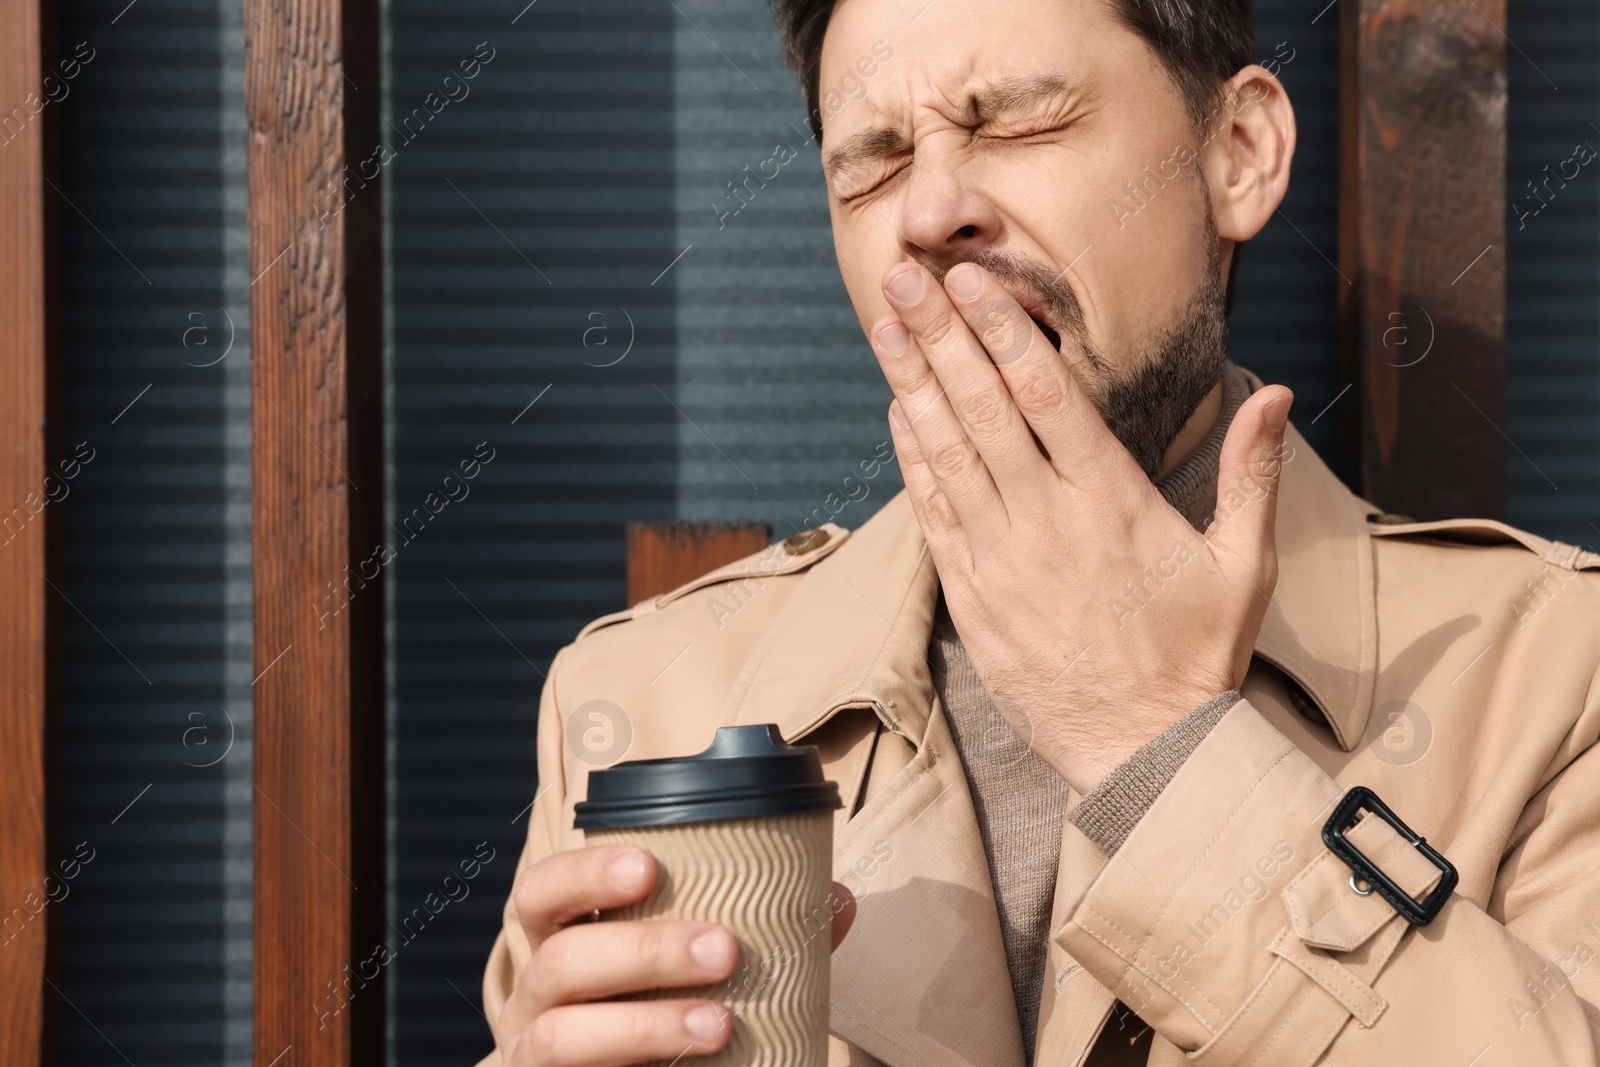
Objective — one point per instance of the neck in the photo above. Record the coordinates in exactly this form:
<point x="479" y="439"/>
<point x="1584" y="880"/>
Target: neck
<point x="1194" y="431"/>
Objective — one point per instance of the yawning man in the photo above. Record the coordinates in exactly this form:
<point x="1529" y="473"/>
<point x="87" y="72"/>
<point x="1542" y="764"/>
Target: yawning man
<point x="1138" y="714"/>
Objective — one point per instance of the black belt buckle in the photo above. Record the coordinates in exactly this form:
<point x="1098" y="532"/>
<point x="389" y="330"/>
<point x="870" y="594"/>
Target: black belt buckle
<point x="1344" y="816"/>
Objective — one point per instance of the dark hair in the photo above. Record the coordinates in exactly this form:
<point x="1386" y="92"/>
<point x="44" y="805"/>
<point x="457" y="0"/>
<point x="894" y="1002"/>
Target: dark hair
<point x="1202" y="43"/>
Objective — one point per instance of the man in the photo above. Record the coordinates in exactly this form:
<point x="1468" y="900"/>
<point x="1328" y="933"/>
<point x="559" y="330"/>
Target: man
<point x="1095" y="684"/>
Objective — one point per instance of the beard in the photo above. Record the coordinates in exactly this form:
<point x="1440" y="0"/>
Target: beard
<point x="1147" y="404"/>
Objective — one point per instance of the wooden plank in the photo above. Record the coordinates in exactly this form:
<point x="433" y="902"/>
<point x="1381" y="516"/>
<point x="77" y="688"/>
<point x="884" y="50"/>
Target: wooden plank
<point x="1422" y="251"/>
<point x="30" y="623"/>
<point x="312" y="95"/>
<point x="665" y="555"/>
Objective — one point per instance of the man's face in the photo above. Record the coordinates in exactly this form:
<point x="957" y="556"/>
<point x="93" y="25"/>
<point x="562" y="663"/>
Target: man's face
<point x="1006" y="134"/>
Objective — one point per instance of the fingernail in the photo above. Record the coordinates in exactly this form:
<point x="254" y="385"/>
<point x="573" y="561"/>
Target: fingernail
<point x="894" y="338"/>
<point x="907" y="286"/>
<point x="712" y="949"/>
<point x="704" y="1022"/>
<point x="627" y="870"/>
<point x="964" y="280"/>
<point x="1277" y="413"/>
<point x="897" y="415"/>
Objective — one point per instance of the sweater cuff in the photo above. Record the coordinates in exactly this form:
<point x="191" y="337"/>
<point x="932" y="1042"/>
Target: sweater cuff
<point x="1108" y="813"/>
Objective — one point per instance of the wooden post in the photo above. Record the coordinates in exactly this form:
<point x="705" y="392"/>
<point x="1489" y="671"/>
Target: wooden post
<point x="1422" y="249"/>
<point x="312" y="95"/>
<point x="30" y="623"/>
<point x="665" y="555"/>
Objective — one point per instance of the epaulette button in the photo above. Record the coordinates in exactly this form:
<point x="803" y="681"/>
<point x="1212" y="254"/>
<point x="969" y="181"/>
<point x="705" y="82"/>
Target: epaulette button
<point x="805" y="541"/>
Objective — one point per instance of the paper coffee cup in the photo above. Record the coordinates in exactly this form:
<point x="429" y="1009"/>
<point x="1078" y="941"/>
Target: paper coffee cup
<point x="742" y="834"/>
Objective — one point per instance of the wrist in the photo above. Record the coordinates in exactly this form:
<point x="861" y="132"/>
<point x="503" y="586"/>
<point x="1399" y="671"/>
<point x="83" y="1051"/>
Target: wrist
<point x="1129" y="726"/>
<point x="1108" y="813"/>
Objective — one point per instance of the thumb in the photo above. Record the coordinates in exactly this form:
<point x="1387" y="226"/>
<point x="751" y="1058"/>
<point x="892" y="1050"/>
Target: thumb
<point x="1248" y="472"/>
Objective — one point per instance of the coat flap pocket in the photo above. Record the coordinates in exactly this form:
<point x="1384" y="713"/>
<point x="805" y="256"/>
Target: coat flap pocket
<point x="1324" y="905"/>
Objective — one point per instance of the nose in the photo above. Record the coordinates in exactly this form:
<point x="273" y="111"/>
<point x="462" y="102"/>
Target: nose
<point x="942" y="213"/>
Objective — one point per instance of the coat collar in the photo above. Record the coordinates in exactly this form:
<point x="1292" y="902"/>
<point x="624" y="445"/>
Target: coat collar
<point x="862" y="618"/>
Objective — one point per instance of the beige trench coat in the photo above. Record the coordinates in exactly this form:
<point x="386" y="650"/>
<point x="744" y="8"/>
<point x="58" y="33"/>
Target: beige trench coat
<point x="1449" y="666"/>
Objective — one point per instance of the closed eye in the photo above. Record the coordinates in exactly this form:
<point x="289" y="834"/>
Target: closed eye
<point x="1022" y="133"/>
<point x="845" y="198"/>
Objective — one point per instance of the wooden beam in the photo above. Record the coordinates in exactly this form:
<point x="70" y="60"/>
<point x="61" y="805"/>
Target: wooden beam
<point x="312" y="94"/>
<point x="30" y="623"/>
<point x="1422" y="252"/>
<point x="665" y="555"/>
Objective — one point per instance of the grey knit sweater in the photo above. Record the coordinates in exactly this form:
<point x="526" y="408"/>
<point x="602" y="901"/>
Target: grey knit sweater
<point x="1020" y="801"/>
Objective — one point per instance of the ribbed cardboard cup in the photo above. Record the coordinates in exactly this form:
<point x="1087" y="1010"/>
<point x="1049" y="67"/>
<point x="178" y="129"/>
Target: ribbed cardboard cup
<point x="742" y="834"/>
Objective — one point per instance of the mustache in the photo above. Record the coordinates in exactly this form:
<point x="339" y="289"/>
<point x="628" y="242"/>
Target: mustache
<point x="1018" y="271"/>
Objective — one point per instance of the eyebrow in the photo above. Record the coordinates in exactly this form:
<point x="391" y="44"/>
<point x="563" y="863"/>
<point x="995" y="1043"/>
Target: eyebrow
<point x="1014" y="93"/>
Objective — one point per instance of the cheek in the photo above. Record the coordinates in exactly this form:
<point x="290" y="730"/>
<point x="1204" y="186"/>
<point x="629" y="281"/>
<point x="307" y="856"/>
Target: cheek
<point x="1143" y="272"/>
<point x="1152" y="232"/>
<point x="1109" y="192"/>
<point x="864" y="250"/>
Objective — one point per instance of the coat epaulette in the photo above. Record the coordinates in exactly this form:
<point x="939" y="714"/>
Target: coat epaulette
<point x="789" y="556"/>
<point x="1484" y="532"/>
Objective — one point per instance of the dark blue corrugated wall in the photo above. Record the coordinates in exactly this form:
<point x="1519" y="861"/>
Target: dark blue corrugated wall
<point x="155" y="964"/>
<point x="1553" y="270"/>
<point x="528" y="218"/>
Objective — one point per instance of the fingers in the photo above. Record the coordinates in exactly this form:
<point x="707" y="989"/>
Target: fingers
<point x="952" y="457"/>
<point x="558" y="1014"/>
<point x="1248" y="473"/>
<point x="568" y="886"/>
<point x="593" y="961"/>
<point x="621" y="1033"/>
<point x="941" y="525"/>
<point x="547" y="1020"/>
<point x="1047" y="398"/>
<point x="964" y="331"/>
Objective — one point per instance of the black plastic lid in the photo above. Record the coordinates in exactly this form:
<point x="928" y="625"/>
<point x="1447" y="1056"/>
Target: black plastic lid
<point x="748" y="771"/>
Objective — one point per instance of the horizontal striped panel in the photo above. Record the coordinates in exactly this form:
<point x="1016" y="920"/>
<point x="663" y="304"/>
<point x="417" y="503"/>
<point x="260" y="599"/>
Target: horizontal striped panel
<point x="527" y="222"/>
<point x="1553" y="272"/>
<point x="156" y="934"/>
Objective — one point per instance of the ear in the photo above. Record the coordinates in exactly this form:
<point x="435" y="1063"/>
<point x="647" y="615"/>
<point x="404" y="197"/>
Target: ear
<point x="1250" y="144"/>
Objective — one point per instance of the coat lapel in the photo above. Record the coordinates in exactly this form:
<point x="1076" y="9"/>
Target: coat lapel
<point x="921" y="981"/>
<point x="922" y="978"/>
<point x="1321" y="627"/>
